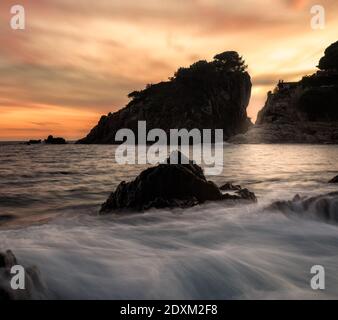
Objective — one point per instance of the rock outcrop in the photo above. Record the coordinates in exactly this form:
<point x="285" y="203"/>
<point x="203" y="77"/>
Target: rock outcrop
<point x="168" y="185"/>
<point x="230" y="187"/>
<point x="323" y="207"/>
<point x="334" y="180"/>
<point x="300" y="112"/>
<point x="33" y="142"/>
<point x="52" y="140"/>
<point x="207" y="95"/>
<point x="34" y="287"/>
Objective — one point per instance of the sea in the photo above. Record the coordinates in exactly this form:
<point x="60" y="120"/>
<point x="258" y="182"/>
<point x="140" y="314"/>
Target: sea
<point x="50" y="197"/>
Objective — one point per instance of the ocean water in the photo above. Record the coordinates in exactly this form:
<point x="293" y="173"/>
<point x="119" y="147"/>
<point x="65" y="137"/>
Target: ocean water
<point x="50" y="197"/>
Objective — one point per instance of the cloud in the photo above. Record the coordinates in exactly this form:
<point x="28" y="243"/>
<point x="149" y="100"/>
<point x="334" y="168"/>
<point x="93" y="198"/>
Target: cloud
<point x="64" y="86"/>
<point x="79" y="59"/>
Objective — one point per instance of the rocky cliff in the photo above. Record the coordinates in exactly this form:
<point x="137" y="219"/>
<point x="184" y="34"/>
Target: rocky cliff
<point x="207" y="95"/>
<point x="301" y="112"/>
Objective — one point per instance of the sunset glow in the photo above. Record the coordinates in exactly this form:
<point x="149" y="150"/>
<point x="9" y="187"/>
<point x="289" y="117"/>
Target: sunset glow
<point x="77" y="60"/>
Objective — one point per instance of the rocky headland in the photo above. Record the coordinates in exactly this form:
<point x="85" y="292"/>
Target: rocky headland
<point x="207" y="95"/>
<point x="301" y="112"/>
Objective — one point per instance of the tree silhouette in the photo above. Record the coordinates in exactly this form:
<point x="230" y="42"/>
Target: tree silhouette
<point x="230" y="61"/>
<point x="330" y="59"/>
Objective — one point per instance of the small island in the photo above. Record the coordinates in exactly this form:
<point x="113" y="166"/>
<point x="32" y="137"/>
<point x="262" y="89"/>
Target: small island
<point x="206" y="95"/>
<point x="52" y="140"/>
<point x="33" y="142"/>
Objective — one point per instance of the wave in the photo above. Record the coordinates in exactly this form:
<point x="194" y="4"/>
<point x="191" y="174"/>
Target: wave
<point x="206" y="252"/>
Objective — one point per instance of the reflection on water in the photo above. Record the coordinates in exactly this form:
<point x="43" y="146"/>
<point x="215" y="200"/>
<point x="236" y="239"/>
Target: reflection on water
<point x="210" y="251"/>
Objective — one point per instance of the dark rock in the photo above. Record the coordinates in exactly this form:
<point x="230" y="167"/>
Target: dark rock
<point x="6" y="217"/>
<point x="168" y="185"/>
<point x="207" y="95"/>
<point x="323" y="207"/>
<point x="52" y="140"/>
<point x="7" y="260"/>
<point x="245" y="194"/>
<point x="334" y="180"/>
<point x="34" y="287"/>
<point x="33" y="142"/>
<point x="230" y="187"/>
<point x="299" y="112"/>
<point x="330" y="59"/>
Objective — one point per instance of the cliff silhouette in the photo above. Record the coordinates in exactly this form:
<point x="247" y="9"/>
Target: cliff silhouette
<point x="206" y="95"/>
<point x="301" y="112"/>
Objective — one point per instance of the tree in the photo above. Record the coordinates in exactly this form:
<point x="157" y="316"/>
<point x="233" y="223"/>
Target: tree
<point x="330" y="59"/>
<point x="197" y="71"/>
<point x="134" y="94"/>
<point x="231" y="61"/>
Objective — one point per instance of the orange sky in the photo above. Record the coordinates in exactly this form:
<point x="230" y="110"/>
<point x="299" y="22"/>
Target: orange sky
<point x="77" y="60"/>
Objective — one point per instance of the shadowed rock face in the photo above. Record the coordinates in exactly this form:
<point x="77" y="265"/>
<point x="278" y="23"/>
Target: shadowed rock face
<point x="207" y="95"/>
<point x="300" y="112"/>
<point x="323" y="207"/>
<point x="34" y="287"/>
<point x="334" y="180"/>
<point x="168" y="185"/>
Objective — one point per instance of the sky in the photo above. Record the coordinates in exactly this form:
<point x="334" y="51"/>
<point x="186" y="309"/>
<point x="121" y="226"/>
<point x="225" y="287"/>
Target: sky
<point x="77" y="60"/>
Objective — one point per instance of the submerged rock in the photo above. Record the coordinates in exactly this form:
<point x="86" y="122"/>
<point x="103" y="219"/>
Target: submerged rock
<point x="168" y="185"/>
<point x="52" y="140"/>
<point x="230" y="187"/>
<point x="323" y="207"/>
<point x="34" y="287"/>
<point x="246" y="194"/>
<point x="334" y="180"/>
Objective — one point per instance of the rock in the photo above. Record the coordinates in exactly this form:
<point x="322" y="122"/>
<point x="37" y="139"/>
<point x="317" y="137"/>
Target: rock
<point x="6" y="217"/>
<point x="245" y="194"/>
<point x="240" y="193"/>
<point x="299" y="112"/>
<point x="334" y="180"/>
<point x="168" y="186"/>
<point x="33" y="142"/>
<point x="207" y="95"/>
<point x="52" y="140"/>
<point x="323" y="207"/>
<point x="34" y="287"/>
<point x="7" y="260"/>
<point x="230" y="187"/>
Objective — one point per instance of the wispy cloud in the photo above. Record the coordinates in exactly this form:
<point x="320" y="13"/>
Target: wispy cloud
<point x="79" y="59"/>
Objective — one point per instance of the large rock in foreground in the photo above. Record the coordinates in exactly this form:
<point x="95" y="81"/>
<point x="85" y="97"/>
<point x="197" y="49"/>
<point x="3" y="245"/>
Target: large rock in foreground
<point x="168" y="186"/>
<point x="207" y="95"/>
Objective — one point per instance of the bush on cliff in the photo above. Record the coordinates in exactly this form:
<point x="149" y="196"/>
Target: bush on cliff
<point x="330" y="59"/>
